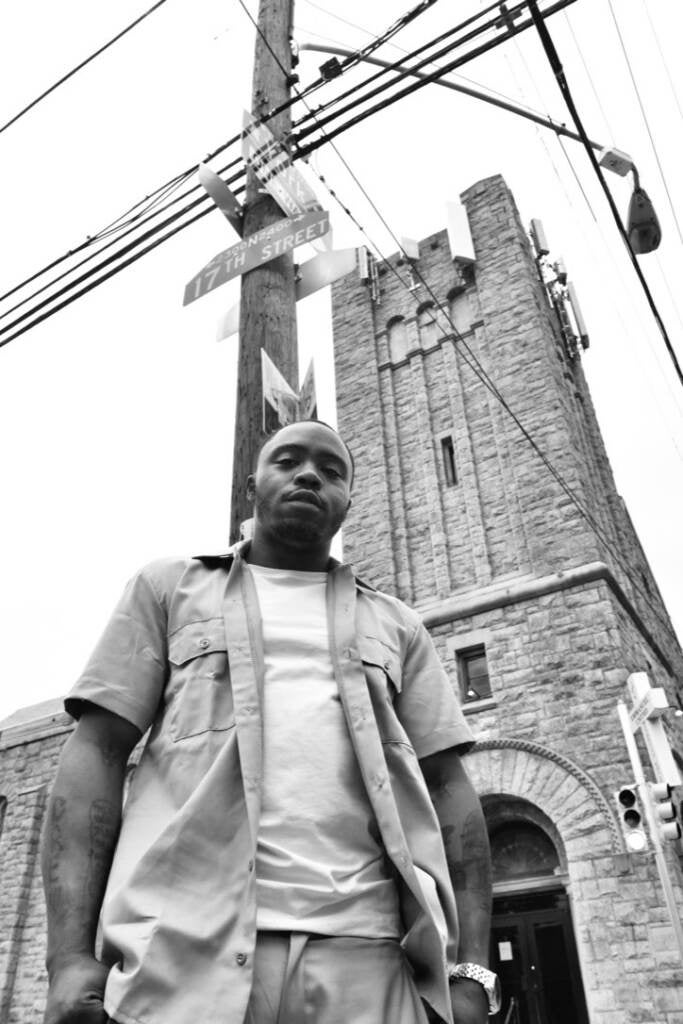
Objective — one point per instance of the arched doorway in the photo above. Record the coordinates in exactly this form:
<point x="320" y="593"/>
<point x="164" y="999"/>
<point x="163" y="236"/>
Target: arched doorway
<point x="532" y="939"/>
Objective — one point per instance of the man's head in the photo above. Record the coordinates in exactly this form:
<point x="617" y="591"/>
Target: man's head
<point x="301" y="488"/>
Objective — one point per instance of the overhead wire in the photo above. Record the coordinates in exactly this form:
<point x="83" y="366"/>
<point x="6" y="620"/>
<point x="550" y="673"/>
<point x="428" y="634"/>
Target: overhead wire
<point x="664" y="62"/>
<point x="558" y="71"/>
<point x="461" y="345"/>
<point x="645" y="119"/>
<point x="579" y="184"/>
<point x="21" y="321"/>
<point x="402" y="50"/>
<point x="470" y="358"/>
<point x="82" y="64"/>
<point x="138" y="219"/>
<point x="664" y="276"/>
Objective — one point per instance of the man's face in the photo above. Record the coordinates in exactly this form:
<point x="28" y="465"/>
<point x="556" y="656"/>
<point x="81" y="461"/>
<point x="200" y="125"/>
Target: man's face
<point x="301" y="488"/>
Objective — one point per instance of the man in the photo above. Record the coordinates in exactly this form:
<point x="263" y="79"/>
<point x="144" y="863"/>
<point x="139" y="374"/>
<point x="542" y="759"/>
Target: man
<point x="283" y="857"/>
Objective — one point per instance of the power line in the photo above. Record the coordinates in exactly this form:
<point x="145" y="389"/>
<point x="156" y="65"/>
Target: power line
<point x="664" y="62"/>
<point x="461" y="347"/>
<point x="312" y="145"/>
<point x="472" y="360"/>
<point x="645" y="119"/>
<point x="83" y="63"/>
<point x="138" y="219"/>
<point x="558" y="71"/>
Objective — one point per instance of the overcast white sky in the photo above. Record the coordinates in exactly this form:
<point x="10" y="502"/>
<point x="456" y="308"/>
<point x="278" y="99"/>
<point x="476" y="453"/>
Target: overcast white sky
<point x="116" y="415"/>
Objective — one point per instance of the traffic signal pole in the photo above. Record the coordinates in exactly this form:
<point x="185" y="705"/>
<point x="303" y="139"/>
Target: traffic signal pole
<point x="267" y="300"/>
<point x="652" y="823"/>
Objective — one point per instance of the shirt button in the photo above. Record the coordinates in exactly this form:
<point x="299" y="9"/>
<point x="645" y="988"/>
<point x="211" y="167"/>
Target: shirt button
<point x="204" y="642"/>
<point x="250" y="865"/>
<point x="240" y="959"/>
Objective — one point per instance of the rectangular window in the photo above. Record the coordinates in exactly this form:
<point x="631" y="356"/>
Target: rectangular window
<point x="448" y="458"/>
<point x="473" y="673"/>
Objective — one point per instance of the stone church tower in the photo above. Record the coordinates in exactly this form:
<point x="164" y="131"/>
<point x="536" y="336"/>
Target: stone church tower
<point x="532" y="582"/>
<point x="537" y="595"/>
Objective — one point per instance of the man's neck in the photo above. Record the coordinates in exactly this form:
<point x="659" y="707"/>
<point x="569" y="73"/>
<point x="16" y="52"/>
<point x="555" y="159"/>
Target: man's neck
<point x="279" y="556"/>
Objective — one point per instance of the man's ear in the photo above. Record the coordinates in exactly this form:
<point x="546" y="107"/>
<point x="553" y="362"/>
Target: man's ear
<point x="251" y="488"/>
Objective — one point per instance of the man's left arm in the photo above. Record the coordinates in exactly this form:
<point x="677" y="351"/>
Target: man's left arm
<point x="465" y="841"/>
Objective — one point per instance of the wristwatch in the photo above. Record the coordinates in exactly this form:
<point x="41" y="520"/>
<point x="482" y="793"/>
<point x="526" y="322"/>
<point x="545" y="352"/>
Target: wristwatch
<point x="487" y="979"/>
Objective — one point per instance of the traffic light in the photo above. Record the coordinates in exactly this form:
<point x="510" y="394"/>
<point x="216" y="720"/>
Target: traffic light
<point x="664" y="810"/>
<point x="631" y="819"/>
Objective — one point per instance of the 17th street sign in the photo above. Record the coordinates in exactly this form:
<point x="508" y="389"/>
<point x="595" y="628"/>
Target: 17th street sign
<point x="281" y="237"/>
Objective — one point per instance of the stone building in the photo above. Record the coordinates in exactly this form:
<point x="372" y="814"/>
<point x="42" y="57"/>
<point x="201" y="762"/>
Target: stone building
<point x="538" y="597"/>
<point x="531" y="579"/>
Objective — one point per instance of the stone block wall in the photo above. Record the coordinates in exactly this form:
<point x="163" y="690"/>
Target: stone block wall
<point x="555" y="585"/>
<point x="28" y="761"/>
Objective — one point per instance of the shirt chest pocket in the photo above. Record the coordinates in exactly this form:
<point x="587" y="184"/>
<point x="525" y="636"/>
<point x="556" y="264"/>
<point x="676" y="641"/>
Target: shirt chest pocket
<point x="201" y="694"/>
<point x="382" y="668"/>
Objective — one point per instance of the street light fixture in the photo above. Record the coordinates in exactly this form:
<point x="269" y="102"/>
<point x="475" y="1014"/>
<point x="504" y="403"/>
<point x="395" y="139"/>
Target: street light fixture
<point x="642" y="225"/>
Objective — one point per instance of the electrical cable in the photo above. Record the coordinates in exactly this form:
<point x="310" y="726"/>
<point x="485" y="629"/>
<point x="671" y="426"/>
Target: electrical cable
<point x="311" y="146"/>
<point x="476" y="366"/>
<point x="83" y="63"/>
<point x="627" y="326"/>
<point x="558" y="71"/>
<point x="645" y="119"/>
<point x="588" y="74"/>
<point x="664" y="62"/>
<point x="120" y="234"/>
<point x="426" y="79"/>
<point x="395" y="66"/>
<point x="611" y="134"/>
<point x="170" y="184"/>
<point x="461" y="347"/>
<point x="464" y="78"/>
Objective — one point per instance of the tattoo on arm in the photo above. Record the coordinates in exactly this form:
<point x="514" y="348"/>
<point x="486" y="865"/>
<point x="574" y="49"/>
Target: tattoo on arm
<point x="55" y="896"/>
<point x="468" y="858"/>
<point x="104" y="827"/>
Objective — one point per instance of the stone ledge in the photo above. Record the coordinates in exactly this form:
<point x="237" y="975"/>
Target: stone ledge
<point x="454" y="608"/>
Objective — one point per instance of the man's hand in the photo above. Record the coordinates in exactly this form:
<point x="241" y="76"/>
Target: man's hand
<point x="76" y="992"/>
<point x="469" y="1002"/>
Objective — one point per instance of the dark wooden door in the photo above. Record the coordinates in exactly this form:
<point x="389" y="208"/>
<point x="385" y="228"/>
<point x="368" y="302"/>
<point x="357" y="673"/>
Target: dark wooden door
<point x="534" y="954"/>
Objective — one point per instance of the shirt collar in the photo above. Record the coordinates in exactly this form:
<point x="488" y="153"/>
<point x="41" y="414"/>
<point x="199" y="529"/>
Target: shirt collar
<point x="242" y="547"/>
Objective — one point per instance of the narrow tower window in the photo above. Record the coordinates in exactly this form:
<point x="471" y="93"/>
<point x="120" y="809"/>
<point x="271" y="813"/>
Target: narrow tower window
<point x="473" y="671"/>
<point x="398" y="339"/>
<point x="448" y="459"/>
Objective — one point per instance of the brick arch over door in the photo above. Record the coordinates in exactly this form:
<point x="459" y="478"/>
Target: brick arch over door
<point x="556" y="785"/>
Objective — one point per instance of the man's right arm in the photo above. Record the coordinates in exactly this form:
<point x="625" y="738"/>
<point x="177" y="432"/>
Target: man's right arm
<point x="83" y="820"/>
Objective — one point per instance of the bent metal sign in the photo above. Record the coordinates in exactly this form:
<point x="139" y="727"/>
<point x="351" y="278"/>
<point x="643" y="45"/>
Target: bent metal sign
<point x="281" y="237"/>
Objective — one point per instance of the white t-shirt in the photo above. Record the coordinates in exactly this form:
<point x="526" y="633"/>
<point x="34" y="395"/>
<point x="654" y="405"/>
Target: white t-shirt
<point x="320" y="864"/>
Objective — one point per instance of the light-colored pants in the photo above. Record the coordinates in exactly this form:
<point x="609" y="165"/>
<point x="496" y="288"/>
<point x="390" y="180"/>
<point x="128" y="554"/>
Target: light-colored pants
<point x="309" y="979"/>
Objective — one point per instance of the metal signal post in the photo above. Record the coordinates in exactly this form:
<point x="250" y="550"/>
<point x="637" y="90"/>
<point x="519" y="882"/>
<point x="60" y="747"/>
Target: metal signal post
<point x="653" y="824"/>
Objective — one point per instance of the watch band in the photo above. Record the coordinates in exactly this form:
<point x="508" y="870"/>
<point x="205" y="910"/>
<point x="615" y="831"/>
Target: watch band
<point x="487" y="979"/>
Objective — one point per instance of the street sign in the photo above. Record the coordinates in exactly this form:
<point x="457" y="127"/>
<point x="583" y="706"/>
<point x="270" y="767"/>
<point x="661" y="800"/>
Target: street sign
<point x="224" y="199"/>
<point x="281" y="404"/>
<point x="308" y="402"/>
<point x="315" y="273"/>
<point x="649" y="704"/>
<point x="323" y="269"/>
<point x="281" y="237"/>
<point x="272" y="165"/>
<point x="280" y="401"/>
<point x="652" y="704"/>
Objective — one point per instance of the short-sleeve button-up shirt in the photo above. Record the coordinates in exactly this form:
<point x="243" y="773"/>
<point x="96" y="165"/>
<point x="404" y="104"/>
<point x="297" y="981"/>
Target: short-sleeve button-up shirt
<point x="182" y="656"/>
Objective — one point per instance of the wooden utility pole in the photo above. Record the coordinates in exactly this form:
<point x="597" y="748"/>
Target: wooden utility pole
<point x="267" y="303"/>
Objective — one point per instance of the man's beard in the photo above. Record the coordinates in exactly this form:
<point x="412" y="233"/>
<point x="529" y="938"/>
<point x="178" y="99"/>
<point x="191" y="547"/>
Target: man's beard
<point x="291" y="531"/>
